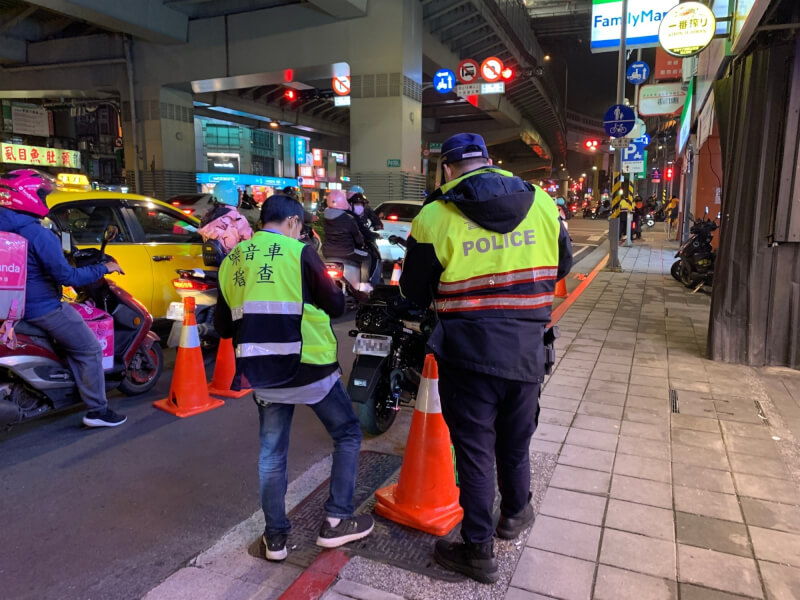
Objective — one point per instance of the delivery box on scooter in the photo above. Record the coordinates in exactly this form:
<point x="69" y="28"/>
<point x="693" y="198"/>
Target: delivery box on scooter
<point x="13" y="273"/>
<point x="102" y="325"/>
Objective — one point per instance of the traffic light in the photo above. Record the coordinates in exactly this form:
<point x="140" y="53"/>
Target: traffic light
<point x="507" y="74"/>
<point x="591" y="144"/>
<point x="290" y="94"/>
<point x="669" y="173"/>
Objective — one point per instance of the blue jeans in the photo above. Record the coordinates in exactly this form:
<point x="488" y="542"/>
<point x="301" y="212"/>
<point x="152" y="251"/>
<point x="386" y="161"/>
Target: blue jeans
<point x="336" y="413"/>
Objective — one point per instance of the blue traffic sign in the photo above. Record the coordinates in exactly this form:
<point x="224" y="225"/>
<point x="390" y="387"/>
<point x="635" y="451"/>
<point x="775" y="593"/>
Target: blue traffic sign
<point x="634" y="151"/>
<point x="645" y="139"/>
<point x="619" y="120"/>
<point x="638" y="73"/>
<point x="444" y="81"/>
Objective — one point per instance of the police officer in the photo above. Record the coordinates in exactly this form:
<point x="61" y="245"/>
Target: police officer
<point x="276" y="302"/>
<point x="487" y="248"/>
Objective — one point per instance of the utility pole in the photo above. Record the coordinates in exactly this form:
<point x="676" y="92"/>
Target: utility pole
<point x="629" y="188"/>
<point x="613" y="222"/>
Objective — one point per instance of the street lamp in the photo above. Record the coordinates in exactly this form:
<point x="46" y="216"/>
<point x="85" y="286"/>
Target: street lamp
<point x="594" y="168"/>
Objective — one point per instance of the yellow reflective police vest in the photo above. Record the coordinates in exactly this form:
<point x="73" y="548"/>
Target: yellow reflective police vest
<point x="511" y="274"/>
<point x="274" y="329"/>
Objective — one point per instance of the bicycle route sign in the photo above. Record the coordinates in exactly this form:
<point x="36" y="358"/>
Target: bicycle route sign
<point x="619" y="120"/>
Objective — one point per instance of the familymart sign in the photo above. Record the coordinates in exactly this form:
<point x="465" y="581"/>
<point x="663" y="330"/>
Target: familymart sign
<point x="644" y="18"/>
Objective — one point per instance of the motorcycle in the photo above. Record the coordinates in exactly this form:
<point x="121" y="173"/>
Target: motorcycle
<point x="649" y="219"/>
<point x="37" y="379"/>
<point x="390" y="338"/>
<point x="602" y="212"/>
<point x="347" y="275"/>
<point x="695" y="265"/>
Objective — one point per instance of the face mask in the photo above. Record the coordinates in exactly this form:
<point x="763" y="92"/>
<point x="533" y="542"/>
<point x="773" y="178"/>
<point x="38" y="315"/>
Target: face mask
<point x="358" y="209"/>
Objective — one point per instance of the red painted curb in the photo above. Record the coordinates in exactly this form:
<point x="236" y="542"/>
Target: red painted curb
<point x="564" y="306"/>
<point x="318" y="577"/>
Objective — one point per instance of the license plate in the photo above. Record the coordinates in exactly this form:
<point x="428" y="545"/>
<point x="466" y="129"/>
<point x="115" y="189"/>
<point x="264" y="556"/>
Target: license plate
<point x="175" y="311"/>
<point x="372" y="345"/>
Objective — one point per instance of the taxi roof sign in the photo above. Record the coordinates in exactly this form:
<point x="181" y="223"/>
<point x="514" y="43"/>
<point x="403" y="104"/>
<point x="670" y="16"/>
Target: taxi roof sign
<point x="77" y="182"/>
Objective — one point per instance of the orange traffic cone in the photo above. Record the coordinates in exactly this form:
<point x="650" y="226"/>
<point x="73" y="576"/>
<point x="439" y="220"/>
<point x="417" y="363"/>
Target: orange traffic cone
<point x="561" y="289"/>
<point x="224" y="370"/>
<point x="396" y="272"/>
<point x="425" y="497"/>
<point x="188" y="394"/>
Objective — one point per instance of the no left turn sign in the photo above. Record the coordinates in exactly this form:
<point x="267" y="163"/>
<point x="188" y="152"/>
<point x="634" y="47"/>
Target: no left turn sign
<point x="467" y="71"/>
<point x="491" y="68"/>
<point x="341" y="85"/>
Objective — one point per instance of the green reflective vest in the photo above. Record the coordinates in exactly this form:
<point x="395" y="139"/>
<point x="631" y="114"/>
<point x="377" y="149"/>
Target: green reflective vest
<point x="275" y="327"/>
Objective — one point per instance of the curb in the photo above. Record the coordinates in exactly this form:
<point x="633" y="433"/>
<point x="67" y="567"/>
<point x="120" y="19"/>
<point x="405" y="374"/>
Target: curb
<point x="575" y="294"/>
<point x="318" y="577"/>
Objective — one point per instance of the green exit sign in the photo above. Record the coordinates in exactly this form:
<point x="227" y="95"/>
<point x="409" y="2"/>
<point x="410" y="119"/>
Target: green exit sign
<point x="393" y="162"/>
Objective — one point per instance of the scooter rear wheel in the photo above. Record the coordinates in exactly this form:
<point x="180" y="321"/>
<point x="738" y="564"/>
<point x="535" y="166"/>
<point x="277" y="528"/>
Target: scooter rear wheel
<point x="675" y="270"/>
<point x="377" y="414"/>
<point x="141" y="377"/>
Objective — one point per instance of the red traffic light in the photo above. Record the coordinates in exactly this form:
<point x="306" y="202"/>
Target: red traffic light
<point x="507" y="73"/>
<point x="669" y="173"/>
<point x="591" y="144"/>
<point x="290" y="94"/>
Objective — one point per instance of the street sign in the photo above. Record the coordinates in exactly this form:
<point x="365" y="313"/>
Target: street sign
<point x="619" y="120"/>
<point x="638" y="72"/>
<point x="492" y="69"/>
<point x="633" y="158"/>
<point x="467" y="71"/>
<point x="687" y="29"/>
<point x="481" y="89"/>
<point x="444" y="81"/>
<point x="621" y="142"/>
<point x="393" y="162"/>
<point x="341" y="100"/>
<point x="645" y="139"/>
<point x="341" y="85"/>
<point x="498" y="87"/>
<point x="661" y="99"/>
<point x="639" y="129"/>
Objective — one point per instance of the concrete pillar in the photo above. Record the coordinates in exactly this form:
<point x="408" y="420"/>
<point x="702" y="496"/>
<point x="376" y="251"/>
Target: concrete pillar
<point x="386" y="104"/>
<point x="166" y="150"/>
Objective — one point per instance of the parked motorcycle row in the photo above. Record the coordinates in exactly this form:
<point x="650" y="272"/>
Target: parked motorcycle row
<point x="695" y="265"/>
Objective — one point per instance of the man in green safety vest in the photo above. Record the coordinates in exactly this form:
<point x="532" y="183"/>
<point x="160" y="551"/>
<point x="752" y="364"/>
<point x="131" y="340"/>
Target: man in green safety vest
<point x="487" y="248"/>
<point x="276" y="301"/>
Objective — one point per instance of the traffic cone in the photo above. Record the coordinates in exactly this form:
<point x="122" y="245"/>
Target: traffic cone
<point x="561" y="288"/>
<point x="425" y="497"/>
<point x="224" y="370"/>
<point x="396" y="272"/>
<point x="188" y="394"/>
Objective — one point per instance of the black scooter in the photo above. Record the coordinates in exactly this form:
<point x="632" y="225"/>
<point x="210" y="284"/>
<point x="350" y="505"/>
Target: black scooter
<point x="695" y="265"/>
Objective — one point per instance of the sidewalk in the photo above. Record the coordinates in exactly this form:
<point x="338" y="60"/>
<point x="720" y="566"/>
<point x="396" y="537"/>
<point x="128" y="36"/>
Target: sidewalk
<point x="675" y="476"/>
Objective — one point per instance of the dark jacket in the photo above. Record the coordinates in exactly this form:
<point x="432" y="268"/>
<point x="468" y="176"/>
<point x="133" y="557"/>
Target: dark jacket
<point x="342" y="234"/>
<point x="318" y="289"/>
<point x="48" y="269"/>
<point x="503" y="346"/>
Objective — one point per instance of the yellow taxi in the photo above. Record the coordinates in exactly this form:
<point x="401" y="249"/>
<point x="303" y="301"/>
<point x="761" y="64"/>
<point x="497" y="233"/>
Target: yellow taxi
<point x="154" y="240"/>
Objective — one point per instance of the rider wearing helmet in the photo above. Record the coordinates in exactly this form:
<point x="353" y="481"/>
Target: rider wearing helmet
<point x="360" y="207"/>
<point x="343" y="237"/>
<point x="23" y="202"/>
<point x="223" y="221"/>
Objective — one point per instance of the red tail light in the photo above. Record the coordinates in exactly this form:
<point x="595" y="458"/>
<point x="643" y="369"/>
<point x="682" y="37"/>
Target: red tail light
<point x="176" y="203"/>
<point x="393" y="217"/>
<point x="334" y="272"/>
<point x="187" y="211"/>
<point x="191" y="284"/>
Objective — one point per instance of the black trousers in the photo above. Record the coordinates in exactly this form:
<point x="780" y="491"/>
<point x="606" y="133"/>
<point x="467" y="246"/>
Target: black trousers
<point x="491" y="421"/>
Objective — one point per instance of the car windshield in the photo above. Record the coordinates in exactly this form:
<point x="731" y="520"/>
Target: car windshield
<point x="395" y="211"/>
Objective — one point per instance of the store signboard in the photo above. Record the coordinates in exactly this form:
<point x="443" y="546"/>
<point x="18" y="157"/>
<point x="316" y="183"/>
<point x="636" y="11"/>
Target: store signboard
<point x="30" y="120"/>
<point x="668" y="68"/>
<point x="306" y="171"/>
<point x="18" y="154"/>
<point x="644" y="18"/>
<point x="316" y="153"/>
<point x="300" y="151"/>
<point x="686" y="119"/>
<point x="661" y="99"/>
<point x="687" y="29"/>
<point x="245" y="179"/>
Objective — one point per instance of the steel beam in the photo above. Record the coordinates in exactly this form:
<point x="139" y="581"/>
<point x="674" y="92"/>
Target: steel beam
<point x="13" y="50"/>
<point x="342" y="9"/>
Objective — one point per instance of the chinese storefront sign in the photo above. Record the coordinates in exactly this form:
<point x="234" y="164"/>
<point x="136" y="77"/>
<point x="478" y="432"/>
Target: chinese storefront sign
<point x="687" y="29"/>
<point x="30" y="120"/>
<point x="18" y="154"/>
<point x="668" y="68"/>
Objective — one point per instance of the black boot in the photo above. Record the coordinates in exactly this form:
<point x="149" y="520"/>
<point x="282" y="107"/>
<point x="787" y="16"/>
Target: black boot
<point x="473" y="560"/>
<point x="509" y="528"/>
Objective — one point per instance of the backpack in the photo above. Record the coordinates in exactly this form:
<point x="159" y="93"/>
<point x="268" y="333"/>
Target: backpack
<point x="13" y="274"/>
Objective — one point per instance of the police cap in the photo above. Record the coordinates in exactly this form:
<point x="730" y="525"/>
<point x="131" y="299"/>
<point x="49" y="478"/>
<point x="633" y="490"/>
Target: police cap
<point x="462" y="147"/>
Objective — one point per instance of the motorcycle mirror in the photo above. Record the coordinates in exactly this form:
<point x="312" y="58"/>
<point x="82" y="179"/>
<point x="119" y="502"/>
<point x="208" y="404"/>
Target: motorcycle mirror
<point x="66" y="242"/>
<point x="110" y="233"/>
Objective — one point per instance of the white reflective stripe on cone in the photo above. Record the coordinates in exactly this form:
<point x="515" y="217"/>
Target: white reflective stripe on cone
<point x="265" y="307"/>
<point x="189" y="337"/>
<point x="268" y="349"/>
<point x="428" y="397"/>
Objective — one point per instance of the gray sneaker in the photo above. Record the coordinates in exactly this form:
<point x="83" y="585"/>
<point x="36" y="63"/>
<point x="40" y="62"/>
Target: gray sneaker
<point x="348" y="530"/>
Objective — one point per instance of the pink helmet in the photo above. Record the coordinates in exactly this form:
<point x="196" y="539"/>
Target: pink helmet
<point x="25" y="190"/>
<point x="336" y="199"/>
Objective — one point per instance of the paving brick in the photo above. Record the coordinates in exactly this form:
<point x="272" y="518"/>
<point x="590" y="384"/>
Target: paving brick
<point x="640" y="518"/>
<point x="519" y="594"/>
<point x="618" y="584"/>
<point x="771" y="515"/>
<point x="650" y="381"/>
<point x="704" y="479"/>
<point x="603" y="375"/>
<point x="715" y="534"/>
<point x="659" y="392"/>
<point x="563" y="391"/>
<point x="592" y="439"/>
<point x="718" y="570"/>
<point x="556" y="417"/>
<point x="682" y="383"/>
<point x="745" y="430"/>
<point x="764" y="447"/>
<point x="586" y="508"/>
<point x="581" y="480"/>
<point x="767" y="488"/>
<point x="550" y="433"/>
<point x="652" y="493"/>
<point x="546" y="447"/>
<point x="700" y="457"/>
<point x="782" y="582"/>
<point x="643" y="447"/>
<point x="693" y="592"/>
<point x="694" y="423"/>
<point x="638" y="553"/>
<point x="776" y="546"/>
<point x="609" y="411"/>
<point x="643" y="430"/>
<point x="614" y="367"/>
<point x="613" y="387"/>
<point x="698" y="407"/>
<point x="646" y="402"/>
<point x="706" y="503"/>
<point x="547" y="401"/>
<point x="613" y="398"/>
<point x="647" y="415"/>
<point x="559" y="379"/>
<point x="643" y="467"/>
<point x="554" y="575"/>
<point x="701" y="439"/>
<point x="565" y="537"/>
<point x="600" y="424"/>
<point x="587" y="458"/>
<point x="758" y="465"/>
